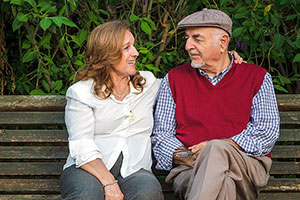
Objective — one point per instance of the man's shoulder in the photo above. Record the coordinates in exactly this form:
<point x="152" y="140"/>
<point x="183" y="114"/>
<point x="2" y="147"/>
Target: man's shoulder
<point x="251" y="68"/>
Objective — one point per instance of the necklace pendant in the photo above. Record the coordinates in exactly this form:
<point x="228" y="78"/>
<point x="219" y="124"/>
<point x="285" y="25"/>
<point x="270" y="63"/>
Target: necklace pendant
<point x="131" y="116"/>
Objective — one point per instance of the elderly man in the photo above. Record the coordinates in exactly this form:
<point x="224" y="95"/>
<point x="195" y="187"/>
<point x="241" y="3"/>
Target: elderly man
<point x="215" y="120"/>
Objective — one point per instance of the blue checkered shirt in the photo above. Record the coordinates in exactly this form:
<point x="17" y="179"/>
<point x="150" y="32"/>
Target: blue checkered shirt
<point x="257" y="139"/>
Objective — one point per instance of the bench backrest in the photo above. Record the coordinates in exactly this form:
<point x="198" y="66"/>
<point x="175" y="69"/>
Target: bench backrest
<point x="34" y="146"/>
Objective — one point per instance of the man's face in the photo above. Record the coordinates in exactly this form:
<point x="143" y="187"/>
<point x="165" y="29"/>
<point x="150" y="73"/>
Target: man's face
<point x="201" y="46"/>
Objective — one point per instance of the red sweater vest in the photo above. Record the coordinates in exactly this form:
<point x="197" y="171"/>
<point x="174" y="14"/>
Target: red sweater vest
<point x="206" y="112"/>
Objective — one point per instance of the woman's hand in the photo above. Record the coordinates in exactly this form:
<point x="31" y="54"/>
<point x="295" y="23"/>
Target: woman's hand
<point x="237" y="58"/>
<point x="113" y="192"/>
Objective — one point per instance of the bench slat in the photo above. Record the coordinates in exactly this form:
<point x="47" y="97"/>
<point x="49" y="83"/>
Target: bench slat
<point x="290" y="118"/>
<point x="33" y="152"/>
<point x="31" y="197"/>
<point x="279" y="196"/>
<point x="33" y="103"/>
<point x="50" y="136"/>
<point x="32" y="118"/>
<point x="289" y="135"/>
<point x="284" y="151"/>
<point x="55" y="168"/>
<point x="288" y="102"/>
<point x="52" y="185"/>
<point x="31" y="168"/>
<point x="285" y="168"/>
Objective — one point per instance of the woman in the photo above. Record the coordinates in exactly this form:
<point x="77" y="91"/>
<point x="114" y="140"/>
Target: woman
<point x="109" y="121"/>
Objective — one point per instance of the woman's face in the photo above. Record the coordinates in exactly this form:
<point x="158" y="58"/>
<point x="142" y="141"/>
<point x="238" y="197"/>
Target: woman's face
<point x="126" y="66"/>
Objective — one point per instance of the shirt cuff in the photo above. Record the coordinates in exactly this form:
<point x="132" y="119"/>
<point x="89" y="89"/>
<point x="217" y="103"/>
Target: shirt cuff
<point x="250" y="147"/>
<point x="84" y="151"/>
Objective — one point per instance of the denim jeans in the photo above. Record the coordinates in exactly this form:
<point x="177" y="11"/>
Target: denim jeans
<point x="78" y="184"/>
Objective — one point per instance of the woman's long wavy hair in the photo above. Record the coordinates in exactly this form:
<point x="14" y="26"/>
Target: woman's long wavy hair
<point x="104" y="49"/>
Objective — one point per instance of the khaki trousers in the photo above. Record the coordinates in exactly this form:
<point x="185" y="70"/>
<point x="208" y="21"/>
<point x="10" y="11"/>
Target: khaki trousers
<point x="221" y="172"/>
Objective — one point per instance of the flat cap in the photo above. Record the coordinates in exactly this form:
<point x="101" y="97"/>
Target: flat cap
<point x="207" y="18"/>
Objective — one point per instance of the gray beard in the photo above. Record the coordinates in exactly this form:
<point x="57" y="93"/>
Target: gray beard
<point x="197" y="66"/>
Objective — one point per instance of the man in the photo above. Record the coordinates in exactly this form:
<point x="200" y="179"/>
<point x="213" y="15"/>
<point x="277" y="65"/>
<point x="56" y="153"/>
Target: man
<point x="215" y="121"/>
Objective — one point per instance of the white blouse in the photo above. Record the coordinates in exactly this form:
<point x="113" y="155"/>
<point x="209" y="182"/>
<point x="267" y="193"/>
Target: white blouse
<point x="103" y="128"/>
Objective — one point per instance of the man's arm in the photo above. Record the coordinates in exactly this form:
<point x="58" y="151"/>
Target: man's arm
<point x="164" y="131"/>
<point x="262" y="131"/>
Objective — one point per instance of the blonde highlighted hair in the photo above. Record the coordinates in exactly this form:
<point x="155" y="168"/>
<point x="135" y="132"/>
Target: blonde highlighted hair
<point x="105" y="48"/>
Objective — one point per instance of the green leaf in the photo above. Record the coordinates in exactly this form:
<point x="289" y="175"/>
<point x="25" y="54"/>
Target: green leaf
<point x="267" y="9"/>
<point x="145" y="27"/>
<point x="296" y="58"/>
<point x="16" y="24"/>
<point x="45" y="23"/>
<point x="28" y="56"/>
<point x="144" y="51"/>
<point x="37" y="92"/>
<point x="237" y="32"/>
<point x="57" y="85"/>
<point x="46" y="86"/>
<point x="70" y="52"/>
<point x="79" y="63"/>
<point x="280" y="88"/>
<point x="152" y="24"/>
<point x="22" y="17"/>
<point x="297" y="43"/>
<point x="26" y="44"/>
<point x="290" y="17"/>
<point x="57" y="20"/>
<point x="31" y="2"/>
<point x="17" y="2"/>
<point x="104" y="12"/>
<point x="62" y="42"/>
<point x="82" y="36"/>
<point x="45" y="40"/>
<point x="153" y="68"/>
<point x="278" y="40"/>
<point x="283" y="80"/>
<point x="68" y="22"/>
<point x="133" y="18"/>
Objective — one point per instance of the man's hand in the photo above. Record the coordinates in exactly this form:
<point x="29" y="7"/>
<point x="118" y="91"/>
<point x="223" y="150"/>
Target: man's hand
<point x="183" y="156"/>
<point x="197" y="148"/>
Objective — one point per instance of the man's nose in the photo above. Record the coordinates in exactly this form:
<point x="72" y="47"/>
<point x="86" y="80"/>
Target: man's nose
<point x="189" y="45"/>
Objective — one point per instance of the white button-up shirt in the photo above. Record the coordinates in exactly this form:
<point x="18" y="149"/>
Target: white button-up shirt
<point x="103" y="129"/>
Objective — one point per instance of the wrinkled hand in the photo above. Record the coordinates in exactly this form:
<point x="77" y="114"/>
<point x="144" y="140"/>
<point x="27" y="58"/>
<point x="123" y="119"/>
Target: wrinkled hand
<point x="197" y="148"/>
<point x="237" y="58"/>
<point x="182" y="156"/>
<point x="113" y="192"/>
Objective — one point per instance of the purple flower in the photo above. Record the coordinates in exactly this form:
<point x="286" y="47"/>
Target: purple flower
<point x="240" y="45"/>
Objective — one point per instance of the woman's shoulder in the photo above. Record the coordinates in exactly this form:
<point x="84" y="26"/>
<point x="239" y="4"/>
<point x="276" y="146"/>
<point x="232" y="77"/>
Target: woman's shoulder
<point x="149" y="76"/>
<point x="80" y="89"/>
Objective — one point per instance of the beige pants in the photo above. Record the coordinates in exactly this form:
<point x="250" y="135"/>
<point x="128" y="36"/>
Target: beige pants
<point x="221" y="172"/>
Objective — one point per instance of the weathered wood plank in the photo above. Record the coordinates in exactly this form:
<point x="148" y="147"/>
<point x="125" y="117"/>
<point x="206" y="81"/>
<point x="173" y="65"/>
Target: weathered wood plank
<point x="31" y="168"/>
<point x="31" y="197"/>
<point x="279" y="196"/>
<point x="33" y="152"/>
<point x="288" y="102"/>
<point x="285" y="168"/>
<point x="290" y="118"/>
<point x="33" y="103"/>
<point x="289" y="135"/>
<point x="32" y="118"/>
<point x="29" y="185"/>
<point x="291" y="151"/>
<point x="49" y="136"/>
<point x="283" y="185"/>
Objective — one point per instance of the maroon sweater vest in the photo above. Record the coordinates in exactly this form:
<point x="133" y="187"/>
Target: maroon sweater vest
<point x="206" y="112"/>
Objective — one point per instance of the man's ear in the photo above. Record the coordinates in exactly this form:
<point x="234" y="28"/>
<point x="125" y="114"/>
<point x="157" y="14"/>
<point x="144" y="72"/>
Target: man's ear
<point x="224" y="40"/>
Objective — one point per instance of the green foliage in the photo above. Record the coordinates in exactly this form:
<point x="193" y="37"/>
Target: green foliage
<point x="45" y="40"/>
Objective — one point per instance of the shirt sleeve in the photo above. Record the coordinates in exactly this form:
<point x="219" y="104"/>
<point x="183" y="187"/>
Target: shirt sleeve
<point x="79" y="119"/>
<point x="262" y="131"/>
<point x="163" y="138"/>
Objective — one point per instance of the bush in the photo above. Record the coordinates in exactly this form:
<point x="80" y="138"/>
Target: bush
<point x="43" y="41"/>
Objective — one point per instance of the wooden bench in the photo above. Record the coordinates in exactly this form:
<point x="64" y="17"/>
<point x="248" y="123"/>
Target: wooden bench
<point x="34" y="147"/>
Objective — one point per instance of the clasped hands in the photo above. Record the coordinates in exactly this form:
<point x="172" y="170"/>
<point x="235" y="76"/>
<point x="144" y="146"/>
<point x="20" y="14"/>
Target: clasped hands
<point x="187" y="156"/>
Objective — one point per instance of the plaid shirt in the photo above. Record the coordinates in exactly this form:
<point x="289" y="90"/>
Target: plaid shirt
<point x="257" y="139"/>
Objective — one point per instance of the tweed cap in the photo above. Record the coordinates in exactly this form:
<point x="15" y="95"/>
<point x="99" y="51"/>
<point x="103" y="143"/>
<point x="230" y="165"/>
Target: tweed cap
<point x="207" y="18"/>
